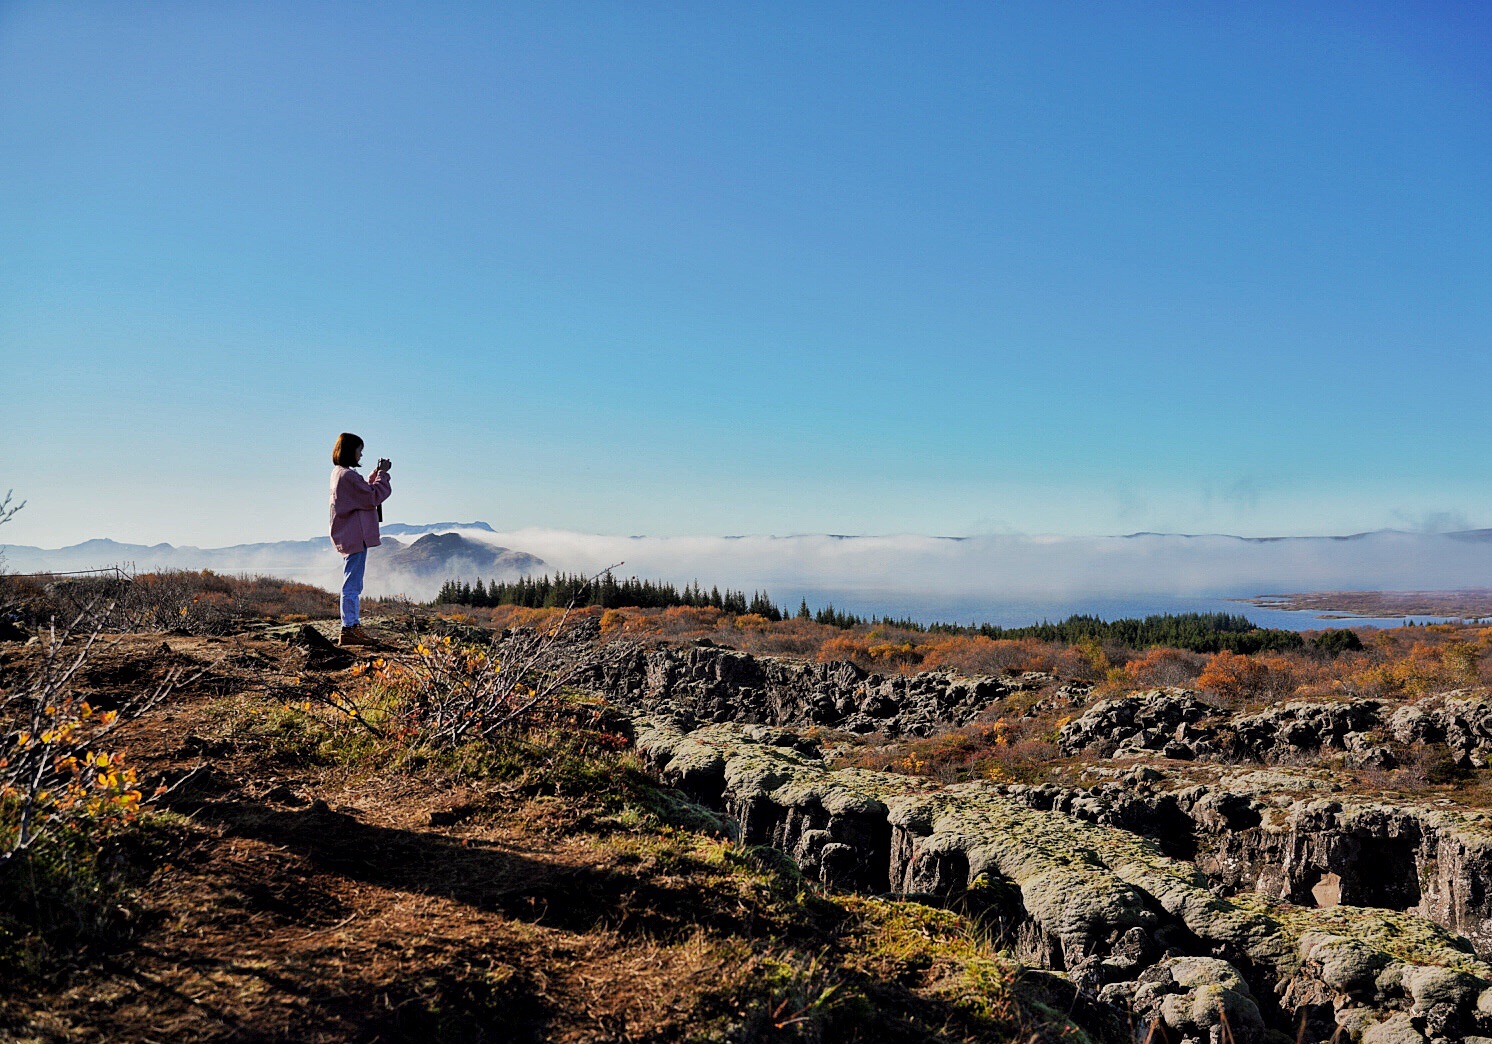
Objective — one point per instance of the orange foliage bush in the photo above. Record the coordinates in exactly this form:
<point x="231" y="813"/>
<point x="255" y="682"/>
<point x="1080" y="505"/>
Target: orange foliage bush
<point x="1428" y="666"/>
<point x="1232" y="676"/>
<point x="1162" y="668"/>
<point x="787" y="638"/>
<point x="519" y="616"/>
<point x="976" y="654"/>
<point x="688" y="620"/>
<point x="1087" y="660"/>
<point x="852" y="647"/>
<point x="1008" y="750"/>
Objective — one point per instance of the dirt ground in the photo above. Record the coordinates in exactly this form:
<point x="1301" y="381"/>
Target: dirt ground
<point x="301" y="904"/>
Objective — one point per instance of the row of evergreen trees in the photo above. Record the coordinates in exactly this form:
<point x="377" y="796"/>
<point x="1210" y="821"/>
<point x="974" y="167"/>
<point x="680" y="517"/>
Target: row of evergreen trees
<point x="607" y="591"/>
<point x="1199" y="632"/>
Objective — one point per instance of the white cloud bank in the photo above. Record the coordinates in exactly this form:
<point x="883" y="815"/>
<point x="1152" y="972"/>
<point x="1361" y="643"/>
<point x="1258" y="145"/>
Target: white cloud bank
<point x="930" y="569"/>
<point x="1024" y="567"/>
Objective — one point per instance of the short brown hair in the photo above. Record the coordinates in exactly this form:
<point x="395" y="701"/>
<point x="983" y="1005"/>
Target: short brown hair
<point x="344" y="453"/>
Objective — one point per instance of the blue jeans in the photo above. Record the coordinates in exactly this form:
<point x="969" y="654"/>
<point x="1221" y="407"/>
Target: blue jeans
<point x="352" y="585"/>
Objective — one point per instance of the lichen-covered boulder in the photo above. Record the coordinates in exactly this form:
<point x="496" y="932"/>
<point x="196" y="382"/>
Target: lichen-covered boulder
<point x="1301" y="727"/>
<point x="1150" y="720"/>
<point x="1396" y="1029"/>
<point x="1461" y="721"/>
<point x="1198" y="1000"/>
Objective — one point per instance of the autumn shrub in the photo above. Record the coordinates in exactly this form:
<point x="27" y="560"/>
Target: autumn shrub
<point x="517" y="617"/>
<point x="799" y="638"/>
<point x="891" y="653"/>
<point x="1461" y="662"/>
<point x="69" y="801"/>
<point x="1085" y="660"/>
<point x="688" y="621"/>
<point x="1431" y="764"/>
<point x="1162" y="668"/>
<point x="20" y="598"/>
<point x="191" y="602"/>
<point x="979" y="655"/>
<point x="854" y="648"/>
<point x="1426" y="667"/>
<point x="36" y="601"/>
<point x="1238" y="678"/>
<point x="1005" y="750"/>
<point x="871" y="651"/>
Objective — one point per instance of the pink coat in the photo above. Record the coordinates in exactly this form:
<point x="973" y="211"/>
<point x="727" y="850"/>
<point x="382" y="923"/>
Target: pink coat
<point x="354" y="510"/>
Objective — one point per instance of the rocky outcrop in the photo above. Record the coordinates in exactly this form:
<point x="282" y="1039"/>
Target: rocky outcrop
<point x="1292" y="838"/>
<point x="1194" y="996"/>
<point x="1462" y="723"/>
<point x="706" y="683"/>
<point x="1177" y="723"/>
<point x="1302" y="728"/>
<point x="1125" y="920"/>
<point x="1162" y="720"/>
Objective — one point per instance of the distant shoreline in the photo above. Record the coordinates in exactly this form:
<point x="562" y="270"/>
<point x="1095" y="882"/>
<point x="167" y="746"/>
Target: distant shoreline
<point x="1468" y="603"/>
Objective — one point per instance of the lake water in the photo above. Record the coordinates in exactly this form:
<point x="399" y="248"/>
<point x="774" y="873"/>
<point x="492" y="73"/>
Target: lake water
<point x="1004" y="613"/>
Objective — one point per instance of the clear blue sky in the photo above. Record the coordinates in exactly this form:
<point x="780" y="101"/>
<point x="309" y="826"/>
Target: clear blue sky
<point x="769" y="268"/>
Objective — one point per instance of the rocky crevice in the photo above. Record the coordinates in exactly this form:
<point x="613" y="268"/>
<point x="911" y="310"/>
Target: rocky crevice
<point x="1259" y="832"/>
<point x="1136" y="927"/>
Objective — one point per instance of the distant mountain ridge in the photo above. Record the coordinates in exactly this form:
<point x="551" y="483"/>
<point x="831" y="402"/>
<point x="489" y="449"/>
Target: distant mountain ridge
<point x="405" y="529"/>
<point x="416" y="568"/>
<point x="1464" y="534"/>
<point x="441" y="556"/>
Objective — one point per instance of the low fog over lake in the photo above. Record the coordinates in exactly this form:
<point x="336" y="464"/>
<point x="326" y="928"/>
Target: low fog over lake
<point x="1007" y="580"/>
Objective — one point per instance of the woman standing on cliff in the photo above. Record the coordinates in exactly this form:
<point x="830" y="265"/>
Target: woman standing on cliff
<point x="354" y="521"/>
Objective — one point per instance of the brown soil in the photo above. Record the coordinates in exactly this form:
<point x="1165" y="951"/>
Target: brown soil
<point x="296" y="908"/>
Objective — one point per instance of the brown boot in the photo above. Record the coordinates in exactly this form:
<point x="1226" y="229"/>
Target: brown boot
<point x="353" y="636"/>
